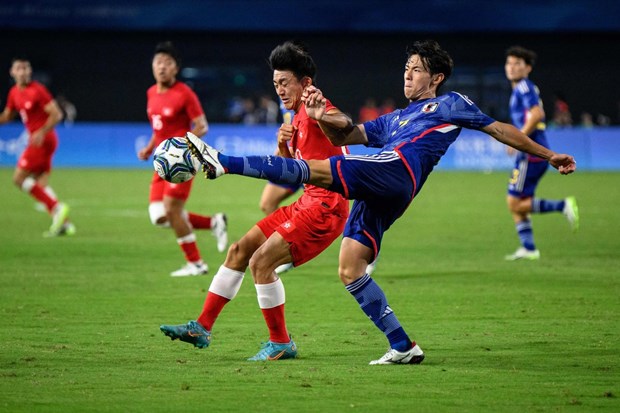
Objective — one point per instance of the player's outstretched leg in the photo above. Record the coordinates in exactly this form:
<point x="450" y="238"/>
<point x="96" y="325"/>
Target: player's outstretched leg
<point x="275" y="351"/>
<point x="207" y="156"/>
<point x="192" y="333"/>
<point x="415" y="355"/>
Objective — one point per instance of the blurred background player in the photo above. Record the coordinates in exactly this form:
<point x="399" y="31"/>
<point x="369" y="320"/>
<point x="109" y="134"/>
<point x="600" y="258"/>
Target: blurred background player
<point x="173" y="109"/>
<point x="526" y="111"/>
<point x="40" y="114"/>
<point x="295" y="233"/>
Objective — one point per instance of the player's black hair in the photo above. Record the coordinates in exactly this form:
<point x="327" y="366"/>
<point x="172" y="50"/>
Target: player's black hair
<point x="168" y="48"/>
<point x="434" y="58"/>
<point x="294" y="57"/>
<point x="528" y="56"/>
<point x="19" y="58"/>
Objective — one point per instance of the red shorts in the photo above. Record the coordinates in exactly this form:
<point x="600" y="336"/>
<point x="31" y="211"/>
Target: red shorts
<point x="309" y="225"/>
<point x="38" y="159"/>
<point x="161" y="188"/>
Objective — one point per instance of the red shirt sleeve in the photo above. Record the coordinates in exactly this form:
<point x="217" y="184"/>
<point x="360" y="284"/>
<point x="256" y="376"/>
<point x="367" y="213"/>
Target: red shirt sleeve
<point x="194" y="108"/>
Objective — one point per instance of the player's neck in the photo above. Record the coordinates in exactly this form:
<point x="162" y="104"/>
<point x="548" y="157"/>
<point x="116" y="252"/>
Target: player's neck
<point x="23" y="85"/>
<point x="162" y="87"/>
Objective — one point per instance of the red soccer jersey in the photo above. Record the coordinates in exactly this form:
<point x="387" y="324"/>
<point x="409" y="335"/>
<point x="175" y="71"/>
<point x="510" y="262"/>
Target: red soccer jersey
<point x="30" y="102"/>
<point x="310" y="143"/>
<point x="172" y="111"/>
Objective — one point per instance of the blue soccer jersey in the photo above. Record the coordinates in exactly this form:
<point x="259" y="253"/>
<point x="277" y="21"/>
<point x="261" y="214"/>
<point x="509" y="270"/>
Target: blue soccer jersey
<point x="528" y="169"/>
<point x="422" y="132"/>
<point x="524" y="97"/>
<point x="412" y="141"/>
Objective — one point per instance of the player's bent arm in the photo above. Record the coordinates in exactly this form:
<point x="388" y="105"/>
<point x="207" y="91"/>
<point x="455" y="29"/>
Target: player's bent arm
<point x="535" y="116"/>
<point x="7" y="115"/>
<point x="340" y="130"/>
<point x="512" y="136"/>
<point x="54" y="118"/>
<point x="144" y="153"/>
<point x="201" y="127"/>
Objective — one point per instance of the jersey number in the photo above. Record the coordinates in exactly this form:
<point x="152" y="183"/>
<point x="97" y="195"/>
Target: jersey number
<point x="157" y="122"/>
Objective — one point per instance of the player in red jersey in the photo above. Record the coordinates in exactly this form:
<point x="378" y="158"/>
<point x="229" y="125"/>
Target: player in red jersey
<point x="294" y="233"/>
<point x="172" y="109"/>
<point x="40" y="114"/>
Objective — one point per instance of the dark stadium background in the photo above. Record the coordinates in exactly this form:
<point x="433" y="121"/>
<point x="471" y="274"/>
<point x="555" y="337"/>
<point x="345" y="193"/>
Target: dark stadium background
<point x="98" y="54"/>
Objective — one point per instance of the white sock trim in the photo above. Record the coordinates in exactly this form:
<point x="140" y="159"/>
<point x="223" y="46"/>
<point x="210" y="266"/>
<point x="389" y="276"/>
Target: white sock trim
<point x="191" y="237"/>
<point x="156" y="212"/>
<point x="226" y="282"/>
<point x="28" y="183"/>
<point x="270" y="295"/>
<point x="50" y="192"/>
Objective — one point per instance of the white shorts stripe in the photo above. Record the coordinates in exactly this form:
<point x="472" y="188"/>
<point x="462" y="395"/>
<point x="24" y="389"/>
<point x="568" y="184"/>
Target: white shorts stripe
<point x="522" y="175"/>
<point x="379" y="157"/>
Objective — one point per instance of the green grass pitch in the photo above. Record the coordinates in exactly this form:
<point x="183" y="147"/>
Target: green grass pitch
<point x="81" y="315"/>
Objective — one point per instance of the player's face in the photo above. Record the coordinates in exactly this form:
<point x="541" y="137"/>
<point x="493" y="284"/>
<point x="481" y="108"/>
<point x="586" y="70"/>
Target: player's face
<point x="21" y="72"/>
<point x="516" y="69"/>
<point x="165" y="69"/>
<point x="288" y="88"/>
<point x="419" y="83"/>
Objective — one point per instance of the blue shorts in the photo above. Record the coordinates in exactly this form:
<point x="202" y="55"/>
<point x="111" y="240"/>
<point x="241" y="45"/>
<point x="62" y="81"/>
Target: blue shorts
<point x="382" y="186"/>
<point x="525" y="176"/>
<point x="290" y="188"/>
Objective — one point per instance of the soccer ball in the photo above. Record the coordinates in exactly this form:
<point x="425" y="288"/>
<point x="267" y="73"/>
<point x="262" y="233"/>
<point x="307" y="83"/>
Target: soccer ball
<point x="173" y="161"/>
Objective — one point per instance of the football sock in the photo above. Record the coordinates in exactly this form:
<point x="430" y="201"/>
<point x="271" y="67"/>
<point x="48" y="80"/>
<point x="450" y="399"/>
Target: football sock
<point x="274" y="168"/>
<point x="224" y="287"/>
<point x="526" y="234"/>
<point x="214" y="304"/>
<point x="38" y="192"/>
<point x="541" y="206"/>
<point x="189" y="247"/>
<point x="271" y="298"/>
<point x="373" y="302"/>
<point x="199" y="221"/>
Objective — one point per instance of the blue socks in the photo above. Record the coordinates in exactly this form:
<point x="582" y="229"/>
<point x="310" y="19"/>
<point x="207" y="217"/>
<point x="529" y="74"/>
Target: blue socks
<point x="274" y="168"/>
<point x="526" y="235"/>
<point x="373" y="302"/>
<point x="540" y="206"/>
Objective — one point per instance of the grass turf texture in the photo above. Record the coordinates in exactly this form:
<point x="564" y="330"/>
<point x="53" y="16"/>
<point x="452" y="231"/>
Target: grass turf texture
<point x="81" y="315"/>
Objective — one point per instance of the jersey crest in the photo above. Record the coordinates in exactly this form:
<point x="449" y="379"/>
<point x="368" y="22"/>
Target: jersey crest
<point x="430" y="107"/>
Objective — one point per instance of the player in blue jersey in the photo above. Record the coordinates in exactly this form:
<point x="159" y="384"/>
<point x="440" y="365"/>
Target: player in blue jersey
<point x="412" y="140"/>
<point x="526" y="111"/>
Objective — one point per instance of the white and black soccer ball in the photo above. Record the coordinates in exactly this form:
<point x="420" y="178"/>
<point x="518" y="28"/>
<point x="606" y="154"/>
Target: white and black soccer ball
<point x="173" y="161"/>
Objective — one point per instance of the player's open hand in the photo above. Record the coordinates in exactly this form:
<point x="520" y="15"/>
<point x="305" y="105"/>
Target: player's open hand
<point x="144" y="153"/>
<point x="314" y="101"/>
<point x="37" y="137"/>
<point x="565" y="164"/>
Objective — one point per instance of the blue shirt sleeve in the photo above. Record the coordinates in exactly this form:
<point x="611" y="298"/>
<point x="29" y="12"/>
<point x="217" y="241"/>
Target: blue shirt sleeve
<point x="377" y="130"/>
<point x="531" y="98"/>
<point x="461" y="111"/>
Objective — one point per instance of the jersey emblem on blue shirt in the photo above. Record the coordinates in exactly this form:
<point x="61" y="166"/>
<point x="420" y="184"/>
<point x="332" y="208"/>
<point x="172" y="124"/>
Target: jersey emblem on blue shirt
<point x="430" y="107"/>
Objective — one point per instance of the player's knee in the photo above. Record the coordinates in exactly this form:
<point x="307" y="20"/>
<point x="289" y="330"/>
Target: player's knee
<point x="260" y="268"/>
<point x="347" y="274"/>
<point x="25" y="184"/>
<point x="157" y="214"/>
<point x="236" y="256"/>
